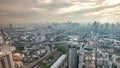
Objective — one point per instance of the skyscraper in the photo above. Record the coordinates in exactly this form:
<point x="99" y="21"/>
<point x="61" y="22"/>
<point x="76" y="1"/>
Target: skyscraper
<point x="6" y="56"/>
<point x="72" y="58"/>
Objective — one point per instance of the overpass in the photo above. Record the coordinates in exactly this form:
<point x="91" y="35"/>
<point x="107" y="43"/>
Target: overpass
<point x="53" y="43"/>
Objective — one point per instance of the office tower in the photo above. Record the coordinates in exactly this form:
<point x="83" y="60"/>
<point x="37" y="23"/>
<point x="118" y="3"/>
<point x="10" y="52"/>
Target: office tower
<point x="72" y="58"/>
<point x="81" y="53"/>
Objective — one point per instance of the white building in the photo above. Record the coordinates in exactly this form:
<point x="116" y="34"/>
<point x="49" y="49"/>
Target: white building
<point x="60" y="63"/>
<point x="1" y="40"/>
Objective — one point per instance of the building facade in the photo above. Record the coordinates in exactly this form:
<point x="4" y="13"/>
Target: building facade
<point x="72" y="58"/>
<point x="6" y="60"/>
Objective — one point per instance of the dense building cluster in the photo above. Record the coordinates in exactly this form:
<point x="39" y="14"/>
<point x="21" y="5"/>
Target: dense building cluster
<point x="60" y="45"/>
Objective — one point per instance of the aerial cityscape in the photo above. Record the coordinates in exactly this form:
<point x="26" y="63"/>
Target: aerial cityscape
<point x="60" y="45"/>
<point x="60" y="34"/>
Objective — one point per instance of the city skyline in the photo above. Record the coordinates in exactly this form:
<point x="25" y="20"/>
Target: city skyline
<point x="18" y="11"/>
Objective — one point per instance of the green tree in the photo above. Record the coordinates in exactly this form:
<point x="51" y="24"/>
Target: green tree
<point x="51" y="56"/>
<point x="61" y="48"/>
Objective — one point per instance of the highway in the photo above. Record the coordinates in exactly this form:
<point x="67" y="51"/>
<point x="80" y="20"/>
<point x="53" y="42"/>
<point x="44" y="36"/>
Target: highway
<point x="49" y="43"/>
<point x="30" y="65"/>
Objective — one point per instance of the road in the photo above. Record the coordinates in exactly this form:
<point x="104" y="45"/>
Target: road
<point x="49" y="43"/>
<point x="30" y="65"/>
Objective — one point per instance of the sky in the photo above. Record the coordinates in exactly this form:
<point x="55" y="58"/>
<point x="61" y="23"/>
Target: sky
<point x="41" y="11"/>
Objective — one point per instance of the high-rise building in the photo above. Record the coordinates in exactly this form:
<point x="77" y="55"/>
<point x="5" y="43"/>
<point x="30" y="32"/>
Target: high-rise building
<point x="1" y="40"/>
<point x="72" y="58"/>
<point x="6" y="56"/>
<point x="81" y="54"/>
<point x="2" y="37"/>
<point x="6" y="60"/>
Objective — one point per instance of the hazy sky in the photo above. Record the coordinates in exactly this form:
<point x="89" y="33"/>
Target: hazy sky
<point x="59" y="10"/>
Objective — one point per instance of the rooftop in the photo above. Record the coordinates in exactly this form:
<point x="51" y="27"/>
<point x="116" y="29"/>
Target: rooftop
<point x="58" y="62"/>
<point x="1" y="53"/>
<point x="7" y="48"/>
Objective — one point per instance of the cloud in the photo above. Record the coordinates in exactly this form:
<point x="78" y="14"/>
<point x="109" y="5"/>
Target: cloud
<point x="58" y="10"/>
<point x="51" y="5"/>
<point x="93" y="10"/>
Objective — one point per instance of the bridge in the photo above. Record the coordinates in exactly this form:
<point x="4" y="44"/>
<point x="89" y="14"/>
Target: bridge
<point x="53" y="43"/>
